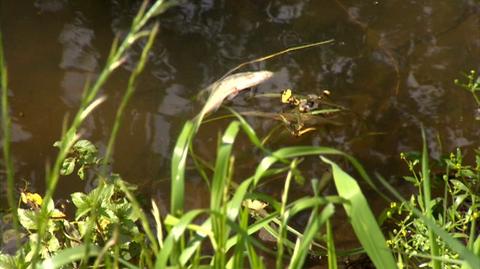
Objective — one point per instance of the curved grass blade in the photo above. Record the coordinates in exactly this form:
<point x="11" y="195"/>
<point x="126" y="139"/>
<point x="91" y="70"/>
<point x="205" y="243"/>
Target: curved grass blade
<point x="300" y="151"/>
<point x="174" y="235"/>
<point x="362" y="219"/>
<point x="219" y="186"/>
<point x="314" y="225"/>
<point x="221" y="166"/>
<point x="434" y="249"/>
<point x="248" y="130"/>
<point x="179" y="160"/>
<point x="6" y="132"/>
<point x="132" y="81"/>
<point x="68" y="256"/>
<point x="332" y="255"/>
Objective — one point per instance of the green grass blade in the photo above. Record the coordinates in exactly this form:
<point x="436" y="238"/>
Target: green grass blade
<point x="179" y="160"/>
<point x="141" y="215"/>
<point x="248" y="130"/>
<point x="173" y="236"/>
<point x="222" y="165"/>
<point x="6" y="128"/>
<point x="434" y="249"/>
<point x="68" y="256"/>
<point x="241" y="240"/>
<point x="284" y="216"/>
<point x="129" y="92"/>
<point x="301" y="151"/>
<point x="332" y="255"/>
<point x="362" y="219"/>
<point x="305" y="203"/>
<point x="219" y="186"/>
<point x="316" y="222"/>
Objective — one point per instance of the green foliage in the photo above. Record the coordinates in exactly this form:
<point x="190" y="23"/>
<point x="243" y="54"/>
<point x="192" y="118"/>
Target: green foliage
<point x="472" y="84"/>
<point x="116" y="219"/>
<point x="83" y="155"/>
<point x="362" y="219"/>
<point x="456" y="212"/>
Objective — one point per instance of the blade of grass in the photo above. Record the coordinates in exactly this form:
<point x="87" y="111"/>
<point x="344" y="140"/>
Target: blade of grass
<point x="238" y="259"/>
<point x="300" y="151"/>
<point x="179" y="160"/>
<point x="158" y="223"/>
<point x="219" y="186"/>
<point x="434" y="250"/>
<point x="141" y="215"/>
<point x="129" y="92"/>
<point x="315" y="223"/>
<point x="7" y="157"/>
<point x="284" y="215"/>
<point x="173" y="236"/>
<point x="332" y="255"/>
<point x="68" y="256"/>
<point x="362" y="219"/>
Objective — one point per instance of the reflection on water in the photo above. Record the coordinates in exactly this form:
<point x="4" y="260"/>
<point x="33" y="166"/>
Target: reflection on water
<point x="392" y="64"/>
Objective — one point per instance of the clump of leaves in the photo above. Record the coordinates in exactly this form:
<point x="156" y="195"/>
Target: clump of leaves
<point x="456" y="212"/>
<point x="83" y="155"/>
<point x="115" y="217"/>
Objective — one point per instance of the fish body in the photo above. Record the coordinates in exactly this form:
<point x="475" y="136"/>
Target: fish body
<point x="229" y="87"/>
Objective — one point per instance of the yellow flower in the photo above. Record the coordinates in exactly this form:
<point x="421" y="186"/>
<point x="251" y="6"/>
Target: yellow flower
<point x="33" y="199"/>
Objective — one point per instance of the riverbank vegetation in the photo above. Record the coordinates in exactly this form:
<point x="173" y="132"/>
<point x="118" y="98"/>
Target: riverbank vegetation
<point x="243" y="227"/>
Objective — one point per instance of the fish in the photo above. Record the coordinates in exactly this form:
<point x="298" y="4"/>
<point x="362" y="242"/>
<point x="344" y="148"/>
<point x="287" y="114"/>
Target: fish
<point x="228" y="87"/>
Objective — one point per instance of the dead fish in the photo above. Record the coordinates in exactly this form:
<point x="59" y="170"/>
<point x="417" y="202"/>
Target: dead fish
<point x="229" y="87"/>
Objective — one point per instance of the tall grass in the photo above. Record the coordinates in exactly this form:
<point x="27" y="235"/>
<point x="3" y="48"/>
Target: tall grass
<point x="6" y="132"/>
<point x="224" y="234"/>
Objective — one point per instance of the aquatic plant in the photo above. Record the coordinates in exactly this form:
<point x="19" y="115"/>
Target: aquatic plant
<point x="439" y="232"/>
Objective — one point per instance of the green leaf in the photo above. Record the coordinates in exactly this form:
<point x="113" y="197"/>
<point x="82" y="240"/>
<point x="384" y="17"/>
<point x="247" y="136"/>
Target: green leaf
<point x="68" y="256"/>
<point x="362" y="219"/>
<point x="81" y="201"/>
<point x="27" y="218"/>
<point x="68" y="166"/>
<point x="81" y="172"/>
<point x="179" y="159"/>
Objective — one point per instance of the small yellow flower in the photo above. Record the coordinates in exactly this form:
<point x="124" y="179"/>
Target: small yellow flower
<point x="33" y="199"/>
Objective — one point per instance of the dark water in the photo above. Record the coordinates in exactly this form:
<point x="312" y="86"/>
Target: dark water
<point x="392" y="64"/>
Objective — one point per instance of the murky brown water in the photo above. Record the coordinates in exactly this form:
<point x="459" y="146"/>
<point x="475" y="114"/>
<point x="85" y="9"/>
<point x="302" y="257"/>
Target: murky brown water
<point x="392" y="64"/>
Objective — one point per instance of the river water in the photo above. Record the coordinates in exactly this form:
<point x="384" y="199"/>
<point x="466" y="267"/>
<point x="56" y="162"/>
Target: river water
<point x="392" y="64"/>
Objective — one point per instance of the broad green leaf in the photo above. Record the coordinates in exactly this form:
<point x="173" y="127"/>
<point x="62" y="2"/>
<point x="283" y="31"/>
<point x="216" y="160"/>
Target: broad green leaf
<point x="362" y="219"/>
<point x="179" y="159"/>
<point x="82" y="202"/>
<point x="27" y="218"/>
<point x="68" y="256"/>
<point x="68" y="166"/>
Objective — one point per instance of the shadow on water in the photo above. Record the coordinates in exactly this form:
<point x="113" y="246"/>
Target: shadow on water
<point x="392" y="65"/>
